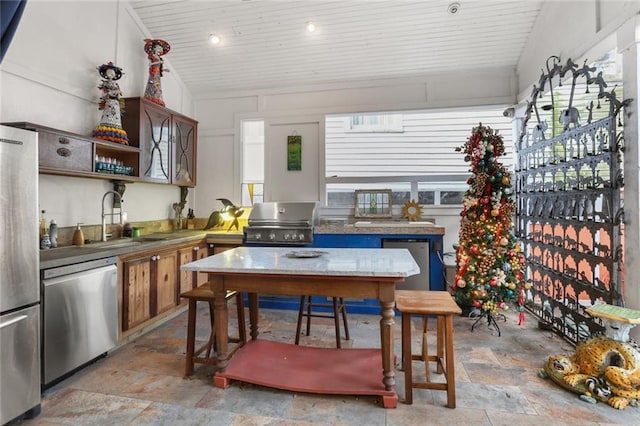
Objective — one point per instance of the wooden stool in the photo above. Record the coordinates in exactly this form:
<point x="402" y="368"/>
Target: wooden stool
<point x="204" y="293"/>
<point x="306" y="308"/>
<point x="425" y="303"/>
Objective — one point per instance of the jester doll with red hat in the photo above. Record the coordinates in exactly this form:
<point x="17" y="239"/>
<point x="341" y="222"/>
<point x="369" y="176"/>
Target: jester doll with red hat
<point x="155" y="49"/>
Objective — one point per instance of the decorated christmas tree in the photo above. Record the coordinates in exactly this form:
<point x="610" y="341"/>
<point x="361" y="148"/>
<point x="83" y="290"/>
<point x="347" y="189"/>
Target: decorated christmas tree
<point x="490" y="263"/>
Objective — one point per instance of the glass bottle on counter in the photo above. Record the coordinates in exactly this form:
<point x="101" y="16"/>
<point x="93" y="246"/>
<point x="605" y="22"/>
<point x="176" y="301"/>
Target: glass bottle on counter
<point x="43" y="224"/>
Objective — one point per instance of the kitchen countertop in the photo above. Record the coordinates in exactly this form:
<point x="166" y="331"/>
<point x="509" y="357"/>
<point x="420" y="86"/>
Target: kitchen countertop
<point x="61" y="256"/>
<point x="330" y="261"/>
<point x="381" y="227"/>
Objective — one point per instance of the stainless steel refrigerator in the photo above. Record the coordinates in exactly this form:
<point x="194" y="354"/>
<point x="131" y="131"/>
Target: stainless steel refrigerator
<point x="19" y="275"/>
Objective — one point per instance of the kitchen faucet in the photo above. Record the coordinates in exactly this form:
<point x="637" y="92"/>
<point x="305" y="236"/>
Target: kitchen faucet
<point x="104" y="222"/>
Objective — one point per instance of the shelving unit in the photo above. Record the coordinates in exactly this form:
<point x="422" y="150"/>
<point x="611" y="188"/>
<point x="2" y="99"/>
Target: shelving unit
<point x="69" y="154"/>
<point x="162" y="148"/>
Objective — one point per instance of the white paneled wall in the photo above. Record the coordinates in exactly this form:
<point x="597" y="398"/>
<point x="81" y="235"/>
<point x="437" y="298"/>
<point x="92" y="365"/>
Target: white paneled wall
<point x="49" y="77"/>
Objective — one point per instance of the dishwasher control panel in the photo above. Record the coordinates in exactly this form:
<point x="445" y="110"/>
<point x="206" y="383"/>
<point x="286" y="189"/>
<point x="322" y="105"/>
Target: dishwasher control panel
<point x="78" y="267"/>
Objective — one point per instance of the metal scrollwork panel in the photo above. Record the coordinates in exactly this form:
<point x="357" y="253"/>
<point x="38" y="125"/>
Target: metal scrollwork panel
<point x="569" y="210"/>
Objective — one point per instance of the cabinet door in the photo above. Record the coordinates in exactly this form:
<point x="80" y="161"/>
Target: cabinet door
<point x="155" y="136"/>
<point x="136" y="298"/>
<point x="166" y="281"/>
<point x="201" y="252"/>
<point x="57" y="151"/>
<point x="185" y="255"/>
<point x="184" y="137"/>
<point x="190" y="280"/>
<point x="219" y="248"/>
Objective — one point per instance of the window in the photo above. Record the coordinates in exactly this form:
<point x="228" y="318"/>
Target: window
<point x="419" y="162"/>
<point x="252" y="161"/>
<point x="374" y="123"/>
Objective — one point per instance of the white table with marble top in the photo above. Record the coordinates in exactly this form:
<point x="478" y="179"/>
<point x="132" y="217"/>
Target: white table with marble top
<point x="332" y="272"/>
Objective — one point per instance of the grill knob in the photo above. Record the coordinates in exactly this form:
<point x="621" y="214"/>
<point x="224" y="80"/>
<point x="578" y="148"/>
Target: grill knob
<point x="257" y="236"/>
<point x="286" y="237"/>
<point x="301" y="237"/>
<point x="272" y="236"/>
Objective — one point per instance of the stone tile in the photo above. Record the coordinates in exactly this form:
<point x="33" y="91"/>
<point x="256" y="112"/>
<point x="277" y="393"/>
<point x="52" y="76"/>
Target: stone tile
<point x="509" y="419"/>
<point x="565" y="406"/>
<point x="158" y="364"/>
<point x="162" y="388"/>
<point x="108" y="380"/>
<point x="495" y="375"/>
<point x="338" y="409"/>
<point x="159" y="414"/>
<point x="247" y="420"/>
<point x="77" y="407"/>
<point x="426" y="414"/>
<point x="496" y="383"/>
<point x="170" y="344"/>
<point x="484" y="396"/>
<point x="244" y="398"/>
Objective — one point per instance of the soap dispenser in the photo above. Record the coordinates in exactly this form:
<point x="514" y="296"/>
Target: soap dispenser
<point x="78" y="236"/>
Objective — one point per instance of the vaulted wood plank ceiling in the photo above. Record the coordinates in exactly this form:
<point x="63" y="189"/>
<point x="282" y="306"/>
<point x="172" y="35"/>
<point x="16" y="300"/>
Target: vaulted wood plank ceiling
<point x="265" y="43"/>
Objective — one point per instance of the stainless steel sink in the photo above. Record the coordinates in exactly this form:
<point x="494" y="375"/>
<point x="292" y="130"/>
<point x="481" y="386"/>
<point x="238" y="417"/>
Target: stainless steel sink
<point x="111" y="244"/>
<point x="152" y="238"/>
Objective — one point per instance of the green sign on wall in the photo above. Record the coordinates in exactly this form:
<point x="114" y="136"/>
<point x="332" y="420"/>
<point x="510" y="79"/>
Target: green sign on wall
<point x="294" y="153"/>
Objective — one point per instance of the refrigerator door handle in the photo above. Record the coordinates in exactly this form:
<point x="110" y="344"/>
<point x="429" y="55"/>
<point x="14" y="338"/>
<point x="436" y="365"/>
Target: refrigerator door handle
<point x="11" y="141"/>
<point x="13" y="321"/>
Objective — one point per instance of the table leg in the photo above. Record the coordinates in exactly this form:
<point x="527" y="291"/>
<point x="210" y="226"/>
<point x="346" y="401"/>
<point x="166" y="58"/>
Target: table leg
<point x="386" y="341"/>
<point x="191" y="337"/>
<point x="221" y="323"/>
<point x="450" y="371"/>
<point x="441" y="342"/>
<point x="253" y="315"/>
<point x="407" y="357"/>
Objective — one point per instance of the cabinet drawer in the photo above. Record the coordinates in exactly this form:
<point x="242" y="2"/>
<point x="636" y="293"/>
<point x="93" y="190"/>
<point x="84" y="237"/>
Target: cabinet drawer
<point x="62" y="152"/>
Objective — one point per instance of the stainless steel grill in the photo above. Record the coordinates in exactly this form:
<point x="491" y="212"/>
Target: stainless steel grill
<point x="281" y="223"/>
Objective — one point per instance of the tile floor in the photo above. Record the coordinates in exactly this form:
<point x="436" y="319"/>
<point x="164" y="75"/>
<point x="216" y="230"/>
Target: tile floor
<point x="497" y="383"/>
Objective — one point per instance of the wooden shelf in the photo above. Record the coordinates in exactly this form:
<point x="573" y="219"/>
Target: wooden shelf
<point x="68" y="154"/>
<point x="308" y="369"/>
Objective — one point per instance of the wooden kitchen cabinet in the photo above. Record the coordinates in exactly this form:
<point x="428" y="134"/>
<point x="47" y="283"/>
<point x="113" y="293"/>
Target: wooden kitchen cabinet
<point x="183" y="164"/>
<point x="167" y="142"/>
<point x="68" y="154"/>
<point x="190" y="280"/>
<point x="219" y="248"/>
<point x="64" y="152"/>
<point x="148" y="126"/>
<point x="149" y="286"/>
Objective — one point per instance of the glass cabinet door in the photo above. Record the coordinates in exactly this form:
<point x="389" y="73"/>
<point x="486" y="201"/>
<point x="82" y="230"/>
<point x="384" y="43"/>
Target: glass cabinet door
<point x="184" y="155"/>
<point x="155" y="137"/>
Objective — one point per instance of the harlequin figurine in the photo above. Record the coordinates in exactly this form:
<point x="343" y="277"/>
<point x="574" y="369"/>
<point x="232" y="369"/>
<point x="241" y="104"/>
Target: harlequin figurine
<point x="110" y="127"/>
<point x="155" y="49"/>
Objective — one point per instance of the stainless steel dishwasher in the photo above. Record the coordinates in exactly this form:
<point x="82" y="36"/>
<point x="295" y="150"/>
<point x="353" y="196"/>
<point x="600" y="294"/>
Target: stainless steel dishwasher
<point x="80" y="315"/>
<point x="419" y="249"/>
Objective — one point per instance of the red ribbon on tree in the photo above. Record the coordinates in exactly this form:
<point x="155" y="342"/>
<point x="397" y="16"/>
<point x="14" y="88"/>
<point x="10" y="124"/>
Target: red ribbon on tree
<point x="521" y="306"/>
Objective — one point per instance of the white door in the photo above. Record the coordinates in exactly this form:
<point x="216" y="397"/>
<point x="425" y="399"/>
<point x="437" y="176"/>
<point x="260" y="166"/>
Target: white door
<point x="282" y="184"/>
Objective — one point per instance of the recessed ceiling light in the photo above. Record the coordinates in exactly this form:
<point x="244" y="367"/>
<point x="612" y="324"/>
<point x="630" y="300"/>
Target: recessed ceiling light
<point x="453" y="8"/>
<point x="311" y="27"/>
<point x="215" y="39"/>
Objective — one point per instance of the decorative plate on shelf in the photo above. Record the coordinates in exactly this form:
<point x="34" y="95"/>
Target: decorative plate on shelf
<point x="304" y="254"/>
